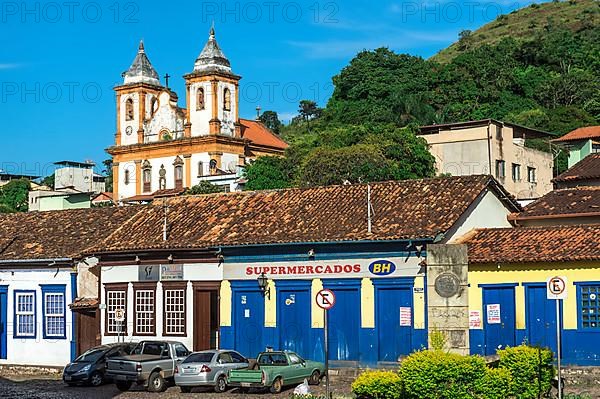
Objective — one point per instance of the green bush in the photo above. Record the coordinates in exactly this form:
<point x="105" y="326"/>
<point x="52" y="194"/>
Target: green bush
<point x="531" y="369"/>
<point x="495" y="384"/>
<point x="378" y="385"/>
<point x="434" y="374"/>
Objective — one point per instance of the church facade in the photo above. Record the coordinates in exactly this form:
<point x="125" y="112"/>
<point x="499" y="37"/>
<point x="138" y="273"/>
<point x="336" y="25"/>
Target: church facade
<point x="162" y="148"/>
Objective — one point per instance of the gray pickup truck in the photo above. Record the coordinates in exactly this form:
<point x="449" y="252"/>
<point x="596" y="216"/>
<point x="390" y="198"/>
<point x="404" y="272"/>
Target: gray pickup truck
<point x="151" y="364"/>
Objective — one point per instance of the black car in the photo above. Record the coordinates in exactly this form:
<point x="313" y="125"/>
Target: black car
<point x="89" y="368"/>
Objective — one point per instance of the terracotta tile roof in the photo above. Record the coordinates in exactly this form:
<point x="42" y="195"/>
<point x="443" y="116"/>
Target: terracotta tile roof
<point x="57" y="234"/>
<point x="534" y="244"/>
<point x="84" y="303"/>
<point x="402" y="210"/>
<point x="169" y="192"/>
<point x="586" y="169"/>
<point x="583" y="133"/>
<point x="567" y="202"/>
<point x="259" y="134"/>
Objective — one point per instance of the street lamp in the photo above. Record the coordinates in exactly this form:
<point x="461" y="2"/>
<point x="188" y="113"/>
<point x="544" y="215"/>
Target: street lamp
<point x="263" y="284"/>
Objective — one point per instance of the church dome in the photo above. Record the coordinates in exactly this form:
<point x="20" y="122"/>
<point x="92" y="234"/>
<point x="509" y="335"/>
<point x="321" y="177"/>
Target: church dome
<point x="212" y="59"/>
<point x="141" y="70"/>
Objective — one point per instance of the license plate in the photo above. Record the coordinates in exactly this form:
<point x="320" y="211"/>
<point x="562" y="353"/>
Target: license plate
<point x="245" y="384"/>
<point x="68" y="378"/>
<point x="189" y="371"/>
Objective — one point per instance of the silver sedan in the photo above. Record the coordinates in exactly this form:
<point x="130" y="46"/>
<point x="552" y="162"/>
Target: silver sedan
<point x="208" y="368"/>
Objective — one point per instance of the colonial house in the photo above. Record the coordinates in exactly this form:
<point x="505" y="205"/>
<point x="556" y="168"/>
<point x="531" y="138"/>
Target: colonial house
<point x="161" y="146"/>
<point x="580" y="143"/>
<point x="508" y="305"/>
<point x="492" y="147"/>
<point x="43" y="278"/>
<point x="568" y="206"/>
<point x="584" y="173"/>
<point x="241" y="270"/>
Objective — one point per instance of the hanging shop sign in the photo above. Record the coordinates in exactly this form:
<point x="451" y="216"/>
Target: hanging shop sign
<point x="342" y="268"/>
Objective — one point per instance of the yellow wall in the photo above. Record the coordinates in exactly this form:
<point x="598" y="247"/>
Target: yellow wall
<point x="367" y="300"/>
<point x="271" y="306"/>
<point x="225" y="304"/>
<point x="419" y="304"/>
<point x="532" y="273"/>
<point x="317" y="315"/>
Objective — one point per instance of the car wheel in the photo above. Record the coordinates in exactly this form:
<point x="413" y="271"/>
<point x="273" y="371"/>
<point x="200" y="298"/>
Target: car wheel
<point x="123" y="386"/>
<point x="315" y="378"/>
<point x="186" y="389"/>
<point x="96" y="379"/>
<point x="156" y="383"/>
<point x="277" y="385"/>
<point x="221" y="385"/>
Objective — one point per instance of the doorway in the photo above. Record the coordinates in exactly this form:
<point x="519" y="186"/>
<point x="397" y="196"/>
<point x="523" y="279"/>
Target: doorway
<point x="206" y="316"/>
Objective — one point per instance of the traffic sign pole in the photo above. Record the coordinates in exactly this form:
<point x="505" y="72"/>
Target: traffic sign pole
<point x="558" y="351"/>
<point x="326" y="341"/>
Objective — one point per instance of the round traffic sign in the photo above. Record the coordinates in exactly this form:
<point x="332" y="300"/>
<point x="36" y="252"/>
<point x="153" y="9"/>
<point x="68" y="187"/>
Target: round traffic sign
<point x="325" y="299"/>
<point x="556" y="286"/>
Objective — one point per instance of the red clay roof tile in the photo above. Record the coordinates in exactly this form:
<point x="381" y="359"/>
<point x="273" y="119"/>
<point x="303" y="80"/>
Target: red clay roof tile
<point x="583" y="133"/>
<point x="259" y="134"/>
<point x="586" y="169"/>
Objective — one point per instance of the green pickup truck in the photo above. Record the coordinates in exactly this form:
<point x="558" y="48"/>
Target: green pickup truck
<point x="274" y="370"/>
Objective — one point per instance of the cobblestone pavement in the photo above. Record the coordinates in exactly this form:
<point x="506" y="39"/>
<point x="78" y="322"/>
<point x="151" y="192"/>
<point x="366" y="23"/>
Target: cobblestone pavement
<point x="51" y="388"/>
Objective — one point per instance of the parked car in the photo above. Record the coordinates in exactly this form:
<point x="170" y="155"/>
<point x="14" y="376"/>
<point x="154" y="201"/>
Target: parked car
<point x="90" y="366"/>
<point x="151" y="364"/>
<point x="274" y="370"/>
<point x="208" y="368"/>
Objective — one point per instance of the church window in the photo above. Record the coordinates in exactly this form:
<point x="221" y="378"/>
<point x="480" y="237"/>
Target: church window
<point x="227" y="100"/>
<point x="200" y="99"/>
<point x="178" y="173"/>
<point x="127" y="177"/>
<point x="147" y="176"/>
<point x="129" y="109"/>
<point x="153" y="106"/>
<point x="200" y="169"/>
<point x="213" y="166"/>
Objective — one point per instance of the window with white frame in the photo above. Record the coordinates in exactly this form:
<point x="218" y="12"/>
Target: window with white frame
<point x="54" y="314"/>
<point x="25" y="314"/>
<point x="116" y="298"/>
<point x="174" y="307"/>
<point x="144" y="309"/>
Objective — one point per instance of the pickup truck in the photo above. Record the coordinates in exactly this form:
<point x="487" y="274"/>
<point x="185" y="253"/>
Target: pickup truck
<point x="274" y="370"/>
<point x="151" y="364"/>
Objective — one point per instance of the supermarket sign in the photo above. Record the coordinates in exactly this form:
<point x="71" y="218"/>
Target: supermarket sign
<point x="342" y="268"/>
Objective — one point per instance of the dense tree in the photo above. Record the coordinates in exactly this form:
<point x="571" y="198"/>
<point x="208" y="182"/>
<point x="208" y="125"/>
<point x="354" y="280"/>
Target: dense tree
<point x="14" y="196"/>
<point x="48" y="181"/>
<point x="269" y="173"/>
<point x="308" y="110"/>
<point x="271" y="120"/>
<point x="204" y="187"/>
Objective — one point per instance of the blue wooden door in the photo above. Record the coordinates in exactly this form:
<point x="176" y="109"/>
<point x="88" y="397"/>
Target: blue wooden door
<point x="344" y="322"/>
<point x="541" y="317"/>
<point x="394" y="339"/>
<point x="3" y="321"/>
<point x="293" y="317"/>
<point x="249" y="322"/>
<point x="498" y="318"/>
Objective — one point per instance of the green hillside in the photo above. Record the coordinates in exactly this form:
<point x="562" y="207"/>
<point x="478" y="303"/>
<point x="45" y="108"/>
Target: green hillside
<point x="527" y="23"/>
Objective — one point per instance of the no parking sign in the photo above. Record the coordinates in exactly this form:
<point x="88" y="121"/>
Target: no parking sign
<point x="556" y="287"/>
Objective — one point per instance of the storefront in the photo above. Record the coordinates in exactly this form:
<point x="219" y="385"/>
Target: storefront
<point x="380" y="298"/>
<point x="177" y="301"/>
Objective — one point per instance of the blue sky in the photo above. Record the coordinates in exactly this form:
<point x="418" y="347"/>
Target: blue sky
<point x="60" y="60"/>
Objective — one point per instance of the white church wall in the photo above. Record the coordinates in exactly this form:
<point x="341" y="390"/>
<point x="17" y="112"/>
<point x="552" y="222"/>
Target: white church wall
<point x="164" y="119"/>
<point x="227" y="118"/>
<point x="127" y="190"/>
<point x="200" y="118"/>
<point x="131" y="138"/>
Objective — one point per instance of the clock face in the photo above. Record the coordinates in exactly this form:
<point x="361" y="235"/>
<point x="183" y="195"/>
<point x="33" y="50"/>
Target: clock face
<point x="128" y="130"/>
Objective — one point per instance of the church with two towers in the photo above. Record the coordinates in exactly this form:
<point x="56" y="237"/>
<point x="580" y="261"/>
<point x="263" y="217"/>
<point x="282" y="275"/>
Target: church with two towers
<point x="161" y="149"/>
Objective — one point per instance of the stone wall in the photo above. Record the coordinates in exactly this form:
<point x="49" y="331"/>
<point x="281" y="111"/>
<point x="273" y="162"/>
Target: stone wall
<point x="447" y="299"/>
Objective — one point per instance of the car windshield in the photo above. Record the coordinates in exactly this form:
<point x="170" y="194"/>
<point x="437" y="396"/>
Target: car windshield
<point x="272" y="359"/>
<point x="199" y="358"/>
<point x="91" y="355"/>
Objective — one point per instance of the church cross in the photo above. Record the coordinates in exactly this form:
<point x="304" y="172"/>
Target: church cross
<point x="167" y="76"/>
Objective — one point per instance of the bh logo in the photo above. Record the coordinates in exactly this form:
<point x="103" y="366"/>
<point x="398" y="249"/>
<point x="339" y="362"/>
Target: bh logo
<point x="382" y="268"/>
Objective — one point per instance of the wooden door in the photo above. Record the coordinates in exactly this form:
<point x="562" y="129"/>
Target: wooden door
<point x="88" y="330"/>
<point x="206" y="317"/>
